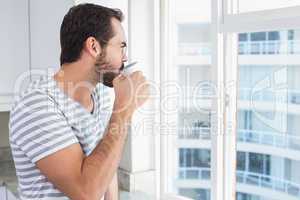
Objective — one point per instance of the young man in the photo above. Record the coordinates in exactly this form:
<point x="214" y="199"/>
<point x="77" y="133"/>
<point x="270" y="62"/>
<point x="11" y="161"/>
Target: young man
<point x="62" y="146"/>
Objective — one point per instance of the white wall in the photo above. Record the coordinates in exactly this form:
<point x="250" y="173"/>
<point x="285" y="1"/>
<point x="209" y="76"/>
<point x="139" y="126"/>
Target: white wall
<point x="188" y="10"/>
<point x="45" y="21"/>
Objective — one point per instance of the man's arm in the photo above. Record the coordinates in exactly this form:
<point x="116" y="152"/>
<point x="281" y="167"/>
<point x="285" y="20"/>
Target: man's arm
<point x="87" y="178"/>
<point x="112" y="192"/>
<point x="83" y="177"/>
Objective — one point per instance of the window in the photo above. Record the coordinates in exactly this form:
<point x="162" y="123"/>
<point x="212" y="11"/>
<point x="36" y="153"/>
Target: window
<point x="241" y="161"/>
<point x="259" y="163"/>
<point x="240" y="126"/>
<point x="259" y="5"/>
<point x="190" y="73"/>
<point x="268" y="92"/>
<point x="290" y="35"/>
<point x="259" y="36"/>
<point x="243" y="37"/>
<point x="273" y="35"/>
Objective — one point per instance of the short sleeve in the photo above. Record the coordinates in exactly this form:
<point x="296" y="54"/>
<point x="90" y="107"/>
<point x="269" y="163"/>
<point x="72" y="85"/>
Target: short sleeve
<point x="38" y="127"/>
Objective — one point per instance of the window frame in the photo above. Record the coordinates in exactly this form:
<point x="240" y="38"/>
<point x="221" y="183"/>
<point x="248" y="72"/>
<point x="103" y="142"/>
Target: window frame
<point x="233" y="24"/>
<point x="166" y="15"/>
<point x="226" y="24"/>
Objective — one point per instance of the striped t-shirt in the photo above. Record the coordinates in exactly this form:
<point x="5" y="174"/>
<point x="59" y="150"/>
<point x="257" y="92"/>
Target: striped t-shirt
<point x="43" y="120"/>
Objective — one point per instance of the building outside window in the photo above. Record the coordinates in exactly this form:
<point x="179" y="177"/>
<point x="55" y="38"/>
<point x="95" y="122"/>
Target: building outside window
<point x="268" y="142"/>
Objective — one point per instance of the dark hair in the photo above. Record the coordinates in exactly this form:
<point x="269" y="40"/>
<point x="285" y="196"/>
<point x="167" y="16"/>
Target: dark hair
<point x="83" y="21"/>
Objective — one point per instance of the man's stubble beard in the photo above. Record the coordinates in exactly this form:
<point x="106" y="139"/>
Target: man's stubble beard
<point x="105" y="75"/>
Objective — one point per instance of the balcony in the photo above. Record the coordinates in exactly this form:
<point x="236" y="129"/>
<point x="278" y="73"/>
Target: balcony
<point x="199" y="173"/>
<point x="268" y="182"/>
<point x="248" y="94"/>
<point x="269" y="138"/>
<point x="194" y="49"/>
<point x="267" y="47"/>
<point x="244" y="177"/>
<point x="194" y="133"/>
<point x="265" y="141"/>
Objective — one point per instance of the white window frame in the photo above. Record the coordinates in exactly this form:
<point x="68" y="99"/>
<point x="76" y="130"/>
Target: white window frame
<point x="234" y="23"/>
<point x="226" y="24"/>
<point x="276" y="19"/>
<point x="166" y="61"/>
<point x="217" y="150"/>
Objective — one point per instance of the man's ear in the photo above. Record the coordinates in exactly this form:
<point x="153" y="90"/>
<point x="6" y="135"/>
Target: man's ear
<point x="92" y="46"/>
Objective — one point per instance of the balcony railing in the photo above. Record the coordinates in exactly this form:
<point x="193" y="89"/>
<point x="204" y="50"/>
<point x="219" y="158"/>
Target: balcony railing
<point x="194" y="133"/>
<point x="269" y="182"/>
<point x="244" y="177"/>
<point x="260" y="47"/>
<point x="269" y="138"/>
<point x="268" y="47"/>
<point x="199" y="173"/>
<point x="291" y="96"/>
<point x="194" y="49"/>
<point x="273" y="139"/>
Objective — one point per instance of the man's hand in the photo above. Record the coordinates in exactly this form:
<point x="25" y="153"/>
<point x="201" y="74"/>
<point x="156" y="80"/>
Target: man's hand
<point x="131" y="92"/>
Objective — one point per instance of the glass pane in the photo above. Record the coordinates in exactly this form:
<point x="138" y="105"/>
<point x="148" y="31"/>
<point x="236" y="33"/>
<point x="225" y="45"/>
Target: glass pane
<point x="192" y="73"/>
<point x="195" y="193"/>
<point x="259" y="5"/>
<point x="268" y="150"/>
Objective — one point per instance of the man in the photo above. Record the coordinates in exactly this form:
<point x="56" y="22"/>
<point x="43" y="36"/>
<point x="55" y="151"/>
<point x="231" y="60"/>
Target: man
<point x="59" y="142"/>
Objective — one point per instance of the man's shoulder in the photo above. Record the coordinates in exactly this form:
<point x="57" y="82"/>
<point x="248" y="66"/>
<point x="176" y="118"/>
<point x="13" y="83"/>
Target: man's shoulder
<point x="35" y="105"/>
<point x="36" y="92"/>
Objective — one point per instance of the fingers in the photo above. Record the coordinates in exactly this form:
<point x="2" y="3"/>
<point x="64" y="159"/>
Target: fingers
<point x="131" y="90"/>
<point x="137" y="73"/>
<point x="118" y="78"/>
<point x="138" y="77"/>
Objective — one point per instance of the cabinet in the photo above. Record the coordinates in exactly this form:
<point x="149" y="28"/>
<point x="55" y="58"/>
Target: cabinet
<point x="29" y="38"/>
<point x="14" y="49"/>
<point x="45" y="20"/>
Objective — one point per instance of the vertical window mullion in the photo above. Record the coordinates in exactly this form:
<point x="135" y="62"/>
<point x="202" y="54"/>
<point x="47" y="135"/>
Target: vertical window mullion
<point x="224" y="58"/>
<point x="217" y="136"/>
<point x="231" y="74"/>
<point x="230" y="57"/>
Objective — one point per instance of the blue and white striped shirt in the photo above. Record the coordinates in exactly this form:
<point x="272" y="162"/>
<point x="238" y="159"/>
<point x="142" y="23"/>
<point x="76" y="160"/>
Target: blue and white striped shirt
<point x="44" y="120"/>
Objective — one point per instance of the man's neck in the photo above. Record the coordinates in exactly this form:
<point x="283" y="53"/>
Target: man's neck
<point x="76" y="83"/>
